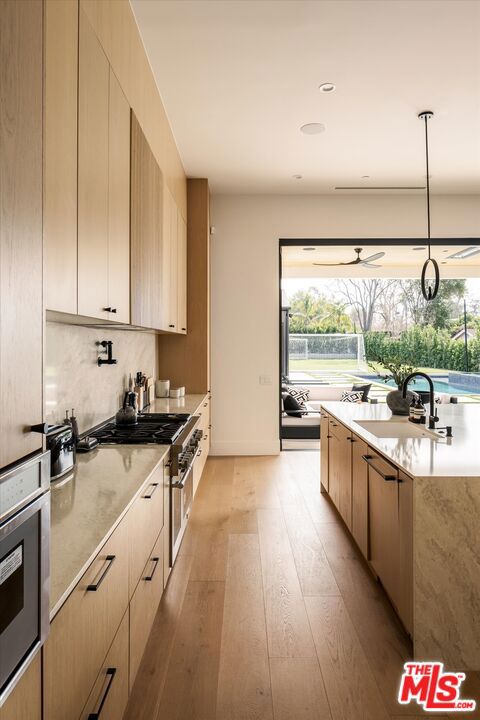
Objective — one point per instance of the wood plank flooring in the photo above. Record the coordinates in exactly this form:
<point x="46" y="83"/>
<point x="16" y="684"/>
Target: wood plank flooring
<point x="270" y="612"/>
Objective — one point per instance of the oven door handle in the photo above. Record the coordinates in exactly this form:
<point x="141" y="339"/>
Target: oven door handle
<point x="180" y="484"/>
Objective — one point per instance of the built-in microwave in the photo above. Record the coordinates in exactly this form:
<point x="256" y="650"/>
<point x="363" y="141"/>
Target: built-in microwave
<point x="24" y="566"/>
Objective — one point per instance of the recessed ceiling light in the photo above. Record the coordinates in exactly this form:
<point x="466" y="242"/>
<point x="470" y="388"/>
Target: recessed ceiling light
<point x="297" y="177"/>
<point x="419" y="248"/>
<point x="309" y="248"/>
<point x="466" y="253"/>
<point x="313" y="128"/>
<point x="327" y="87"/>
<point x="365" y="177"/>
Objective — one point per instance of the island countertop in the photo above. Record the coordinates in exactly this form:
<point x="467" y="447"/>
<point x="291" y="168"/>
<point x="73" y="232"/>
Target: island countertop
<point x="458" y="456"/>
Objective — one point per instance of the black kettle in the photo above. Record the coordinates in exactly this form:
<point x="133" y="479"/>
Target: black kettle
<point x="127" y="415"/>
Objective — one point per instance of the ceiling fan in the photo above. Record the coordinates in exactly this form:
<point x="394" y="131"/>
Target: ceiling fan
<point x="368" y="262"/>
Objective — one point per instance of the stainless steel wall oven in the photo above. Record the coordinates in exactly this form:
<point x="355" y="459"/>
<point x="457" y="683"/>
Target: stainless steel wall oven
<point x="24" y="566"/>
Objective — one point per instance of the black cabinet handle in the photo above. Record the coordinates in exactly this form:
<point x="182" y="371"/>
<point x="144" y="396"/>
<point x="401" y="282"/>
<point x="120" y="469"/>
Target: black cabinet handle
<point x="114" y="310"/>
<point x="110" y="674"/>
<point x="171" y="326"/>
<point x="94" y="587"/>
<point x="389" y="478"/>
<point x="155" y="561"/>
<point x="154" y="486"/>
<point x="329" y="436"/>
<point x="184" y="329"/>
<point x="107" y="309"/>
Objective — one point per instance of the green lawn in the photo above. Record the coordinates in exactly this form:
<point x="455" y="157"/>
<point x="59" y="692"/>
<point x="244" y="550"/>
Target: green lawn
<point x="347" y="365"/>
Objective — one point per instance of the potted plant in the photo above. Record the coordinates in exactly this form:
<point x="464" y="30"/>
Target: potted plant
<point x="397" y="371"/>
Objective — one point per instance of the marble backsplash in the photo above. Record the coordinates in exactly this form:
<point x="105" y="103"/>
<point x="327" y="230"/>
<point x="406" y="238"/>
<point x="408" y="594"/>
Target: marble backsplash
<point x="74" y="380"/>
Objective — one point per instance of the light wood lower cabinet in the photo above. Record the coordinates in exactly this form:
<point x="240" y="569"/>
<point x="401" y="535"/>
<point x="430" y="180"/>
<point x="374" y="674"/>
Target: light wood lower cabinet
<point x="146" y="518"/>
<point x="360" y="495"/>
<point x="144" y="604"/>
<point x="340" y="469"/>
<point x="324" y="449"/>
<point x="375" y="499"/>
<point x="109" y="696"/>
<point x="25" y="701"/>
<point x="383" y="522"/>
<point x="405" y="521"/>
<point x="82" y="631"/>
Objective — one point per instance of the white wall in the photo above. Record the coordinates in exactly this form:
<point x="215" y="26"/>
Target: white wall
<point x="245" y="289"/>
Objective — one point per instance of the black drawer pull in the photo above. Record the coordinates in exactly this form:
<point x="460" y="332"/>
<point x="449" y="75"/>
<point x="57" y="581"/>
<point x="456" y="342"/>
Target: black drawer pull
<point x="107" y="309"/>
<point x="155" y="561"/>
<point x="389" y="478"/>
<point x="171" y="326"/>
<point x="94" y="586"/>
<point x="110" y="674"/>
<point x="154" y="486"/>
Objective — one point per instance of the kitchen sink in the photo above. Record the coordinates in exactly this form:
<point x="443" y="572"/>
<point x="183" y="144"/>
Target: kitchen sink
<point x="395" y="429"/>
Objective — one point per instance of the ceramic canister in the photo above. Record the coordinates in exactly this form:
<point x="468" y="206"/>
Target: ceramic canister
<point x="162" y="388"/>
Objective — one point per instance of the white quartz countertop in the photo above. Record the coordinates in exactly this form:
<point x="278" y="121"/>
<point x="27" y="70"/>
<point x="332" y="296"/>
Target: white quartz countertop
<point x="86" y="508"/>
<point x="188" y="404"/>
<point x="458" y="456"/>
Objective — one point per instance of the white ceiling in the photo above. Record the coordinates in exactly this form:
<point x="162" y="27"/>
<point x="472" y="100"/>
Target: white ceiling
<point x="398" y="261"/>
<point x="239" y="77"/>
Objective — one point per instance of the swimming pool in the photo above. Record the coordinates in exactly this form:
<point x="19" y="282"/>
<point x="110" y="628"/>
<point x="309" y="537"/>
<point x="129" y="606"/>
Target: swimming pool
<point x="441" y="385"/>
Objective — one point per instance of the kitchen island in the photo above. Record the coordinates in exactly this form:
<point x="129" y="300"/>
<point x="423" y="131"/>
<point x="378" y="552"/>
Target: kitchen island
<point x="412" y="505"/>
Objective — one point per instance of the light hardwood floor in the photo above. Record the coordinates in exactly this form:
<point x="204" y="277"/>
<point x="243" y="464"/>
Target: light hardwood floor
<point x="270" y="612"/>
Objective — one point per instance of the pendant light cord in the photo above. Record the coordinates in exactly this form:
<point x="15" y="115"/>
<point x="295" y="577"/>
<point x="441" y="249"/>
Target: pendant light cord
<point x="428" y="183"/>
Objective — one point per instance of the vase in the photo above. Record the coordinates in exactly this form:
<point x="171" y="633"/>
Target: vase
<point x="398" y="404"/>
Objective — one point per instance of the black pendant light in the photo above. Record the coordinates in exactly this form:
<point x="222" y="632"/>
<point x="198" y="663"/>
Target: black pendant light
<point x="429" y="289"/>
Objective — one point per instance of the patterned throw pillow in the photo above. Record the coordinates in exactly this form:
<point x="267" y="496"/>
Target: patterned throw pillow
<point x="301" y="394"/>
<point x="352" y="397"/>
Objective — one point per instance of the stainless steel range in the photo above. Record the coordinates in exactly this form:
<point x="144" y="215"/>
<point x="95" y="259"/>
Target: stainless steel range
<point x="181" y="432"/>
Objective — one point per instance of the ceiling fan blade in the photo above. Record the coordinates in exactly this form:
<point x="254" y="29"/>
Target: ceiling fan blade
<point x="370" y="258"/>
<point x="371" y="265"/>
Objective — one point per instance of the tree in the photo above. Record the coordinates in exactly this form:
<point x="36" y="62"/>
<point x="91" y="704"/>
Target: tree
<point x="311" y="312"/>
<point x="438" y="312"/>
<point x="363" y="297"/>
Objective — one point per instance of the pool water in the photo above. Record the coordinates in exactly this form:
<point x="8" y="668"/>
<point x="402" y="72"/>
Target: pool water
<point x="420" y="384"/>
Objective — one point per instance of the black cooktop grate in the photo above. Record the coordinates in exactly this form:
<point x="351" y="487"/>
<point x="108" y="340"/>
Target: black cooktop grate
<point x="160" y="431"/>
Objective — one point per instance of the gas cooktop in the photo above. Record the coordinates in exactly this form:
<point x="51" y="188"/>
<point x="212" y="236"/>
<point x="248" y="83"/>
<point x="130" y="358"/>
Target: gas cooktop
<point x="161" y="428"/>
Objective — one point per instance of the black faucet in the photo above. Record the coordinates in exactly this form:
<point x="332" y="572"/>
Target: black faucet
<point x="433" y="418"/>
<point x="107" y="345"/>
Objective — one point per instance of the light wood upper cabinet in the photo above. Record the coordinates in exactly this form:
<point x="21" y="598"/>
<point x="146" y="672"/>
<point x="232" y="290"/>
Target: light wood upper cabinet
<point x="60" y="155"/>
<point x="118" y="203"/>
<point x="21" y="242"/>
<point x="103" y="185"/>
<point x="182" y="274"/>
<point x="146" y="237"/>
<point x="172" y="316"/>
<point x="93" y="146"/>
